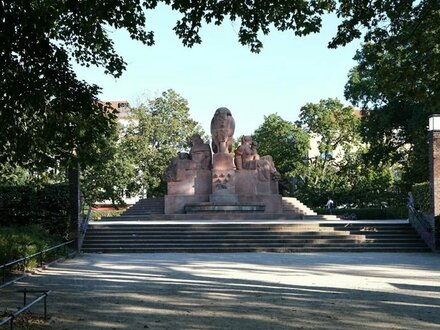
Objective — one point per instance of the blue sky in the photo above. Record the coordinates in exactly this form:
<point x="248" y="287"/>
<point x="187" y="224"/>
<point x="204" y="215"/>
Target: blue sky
<point x="288" y="73"/>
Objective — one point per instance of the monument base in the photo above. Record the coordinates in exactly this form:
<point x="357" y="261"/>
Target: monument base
<point x="175" y="204"/>
<point x="223" y="208"/>
<point x="223" y="198"/>
<point x="272" y="203"/>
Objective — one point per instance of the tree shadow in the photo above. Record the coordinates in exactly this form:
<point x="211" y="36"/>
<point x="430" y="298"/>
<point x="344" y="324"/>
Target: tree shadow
<point x="242" y="291"/>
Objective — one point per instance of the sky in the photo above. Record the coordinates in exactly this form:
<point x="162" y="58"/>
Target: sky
<point x="289" y="72"/>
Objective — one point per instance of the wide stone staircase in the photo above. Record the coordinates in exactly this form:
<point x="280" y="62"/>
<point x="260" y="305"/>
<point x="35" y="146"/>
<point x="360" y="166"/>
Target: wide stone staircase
<point x="153" y="209"/>
<point x="293" y="205"/>
<point x="146" y="206"/>
<point x="132" y="236"/>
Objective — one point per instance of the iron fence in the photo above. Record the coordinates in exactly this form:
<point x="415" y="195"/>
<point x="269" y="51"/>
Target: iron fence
<point x="11" y="317"/>
<point x="24" y="261"/>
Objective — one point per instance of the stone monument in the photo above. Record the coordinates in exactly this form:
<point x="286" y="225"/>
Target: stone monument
<point x="222" y="181"/>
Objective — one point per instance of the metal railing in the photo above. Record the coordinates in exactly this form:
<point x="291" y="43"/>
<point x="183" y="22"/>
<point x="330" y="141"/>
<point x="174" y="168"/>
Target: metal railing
<point x="420" y="218"/>
<point x="24" y="261"/>
<point x="83" y="228"/>
<point x="11" y="317"/>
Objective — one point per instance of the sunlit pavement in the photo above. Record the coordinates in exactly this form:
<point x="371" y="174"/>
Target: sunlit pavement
<point x="243" y="291"/>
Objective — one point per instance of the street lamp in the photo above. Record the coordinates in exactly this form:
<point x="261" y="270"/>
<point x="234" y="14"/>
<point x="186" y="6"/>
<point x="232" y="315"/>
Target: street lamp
<point x="434" y="123"/>
<point x="434" y="169"/>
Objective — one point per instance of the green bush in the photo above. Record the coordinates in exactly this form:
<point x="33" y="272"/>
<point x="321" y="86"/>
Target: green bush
<point x="17" y="242"/>
<point x="422" y="196"/>
<point x="97" y="215"/>
<point x="47" y="206"/>
<point x="370" y="213"/>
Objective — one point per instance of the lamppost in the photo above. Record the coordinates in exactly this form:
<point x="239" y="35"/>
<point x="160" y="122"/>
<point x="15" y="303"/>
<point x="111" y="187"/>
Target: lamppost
<point x="434" y="172"/>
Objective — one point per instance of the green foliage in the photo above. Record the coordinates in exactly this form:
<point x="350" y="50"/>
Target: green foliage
<point x="47" y="206"/>
<point x="397" y="82"/>
<point x="135" y="159"/>
<point x="422" y="196"/>
<point x="164" y="129"/>
<point x="17" y="242"/>
<point x="286" y="143"/>
<point x="98" y="214"/>
<point x="49" y="116"/>
<point x="339" y="169"/>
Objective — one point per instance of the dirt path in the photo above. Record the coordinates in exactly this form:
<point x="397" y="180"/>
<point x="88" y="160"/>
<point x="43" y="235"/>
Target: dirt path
<point x="243" y="291"/>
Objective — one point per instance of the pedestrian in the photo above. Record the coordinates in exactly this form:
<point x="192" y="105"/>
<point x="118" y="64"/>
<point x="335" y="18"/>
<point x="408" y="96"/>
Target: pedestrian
<point x="329" y="206"/>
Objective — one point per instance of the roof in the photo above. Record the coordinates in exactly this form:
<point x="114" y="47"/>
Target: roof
<point x="123" y="108"/>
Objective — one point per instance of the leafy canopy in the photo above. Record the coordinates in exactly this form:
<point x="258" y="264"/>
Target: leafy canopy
<point x="286" y="143"/>
<point x="339" y="168"/>
<point x="48" y="116"/>
<point x="397" y="83"/>
<point x="136" y="159"/>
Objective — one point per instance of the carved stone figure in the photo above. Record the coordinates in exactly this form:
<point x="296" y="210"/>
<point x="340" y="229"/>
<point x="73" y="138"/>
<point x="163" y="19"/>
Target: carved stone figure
<point x="244" y="155"/>
<point x="200" y="153"/>
<point x="247" y="158"/>
<point x="199" y="158"/>
<point x="177" y="163"/>
<point x="274" y="174"/>
<point x="222" y="131"/>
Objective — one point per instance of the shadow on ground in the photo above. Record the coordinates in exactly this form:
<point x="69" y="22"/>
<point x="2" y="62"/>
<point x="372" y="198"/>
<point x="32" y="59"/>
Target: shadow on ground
<point x="243" y="291"/>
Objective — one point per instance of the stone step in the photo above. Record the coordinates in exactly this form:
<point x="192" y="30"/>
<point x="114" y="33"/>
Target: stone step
<point x="146" y="206"/>
<point x="292" y="204"/>
<point x="261" y="243"/>
<point x="229" y="237"/>
<point x="223" y="249"/>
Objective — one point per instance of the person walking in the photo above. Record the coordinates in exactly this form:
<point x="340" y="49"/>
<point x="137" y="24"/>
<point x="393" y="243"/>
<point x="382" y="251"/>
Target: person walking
<point x="329" y="206"/>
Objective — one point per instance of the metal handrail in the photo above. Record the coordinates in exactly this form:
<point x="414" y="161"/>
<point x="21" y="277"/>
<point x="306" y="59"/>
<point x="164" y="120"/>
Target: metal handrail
<point x="420" y="218"/>
<point x="11" y="317"/>
<point x="83" y="228"/>
<point x="24" y="259"/>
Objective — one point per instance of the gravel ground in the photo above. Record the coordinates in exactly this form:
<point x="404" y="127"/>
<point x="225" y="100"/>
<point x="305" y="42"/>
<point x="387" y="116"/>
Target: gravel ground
<point x="240" y="291"/>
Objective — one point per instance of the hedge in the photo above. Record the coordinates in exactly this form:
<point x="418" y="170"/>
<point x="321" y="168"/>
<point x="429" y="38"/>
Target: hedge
<point x="422" y="197"/>
<point x="96" y="215"/>
<point x="47" y="206"/>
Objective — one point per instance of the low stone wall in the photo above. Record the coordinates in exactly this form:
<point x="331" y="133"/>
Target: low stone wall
<point x="424" y="224"/>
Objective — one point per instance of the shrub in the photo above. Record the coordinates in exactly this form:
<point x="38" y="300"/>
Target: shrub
<point x="422" y="196"/>
<point x="98" y="214"/>
<point x="17" y="242"/>
<point x="47" y="206"/>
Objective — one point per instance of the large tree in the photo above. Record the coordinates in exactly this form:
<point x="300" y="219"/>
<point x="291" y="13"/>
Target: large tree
<point x="48" y="116"/>
<point x="338" y="167"/>
<point x="164" y="129"/>
<point x="397" y="83"/>
<point x="134" y="162"/>
<point x="287" y="144"/>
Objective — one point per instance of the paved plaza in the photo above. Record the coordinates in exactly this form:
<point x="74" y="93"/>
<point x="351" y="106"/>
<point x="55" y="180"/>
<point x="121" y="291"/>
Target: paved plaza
<point x="243" y="291"/>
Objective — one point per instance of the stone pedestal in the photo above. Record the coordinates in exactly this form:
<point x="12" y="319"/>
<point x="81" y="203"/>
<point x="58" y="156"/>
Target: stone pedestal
<point x="194" y="186"/>
<point x="175" y="204"/>
<point x="223" y="179"/>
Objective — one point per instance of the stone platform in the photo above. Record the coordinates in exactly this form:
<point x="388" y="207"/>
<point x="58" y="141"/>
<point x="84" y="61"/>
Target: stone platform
<point x="223" y="208"/>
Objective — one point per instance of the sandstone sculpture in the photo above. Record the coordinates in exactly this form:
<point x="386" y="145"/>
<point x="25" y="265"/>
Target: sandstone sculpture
<point x="222" y="181"/>
<point x="247" y="158"/>
<point x="222" y="131"/>
<point x="200" y="153"/>
<point x="199" y="158"/>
